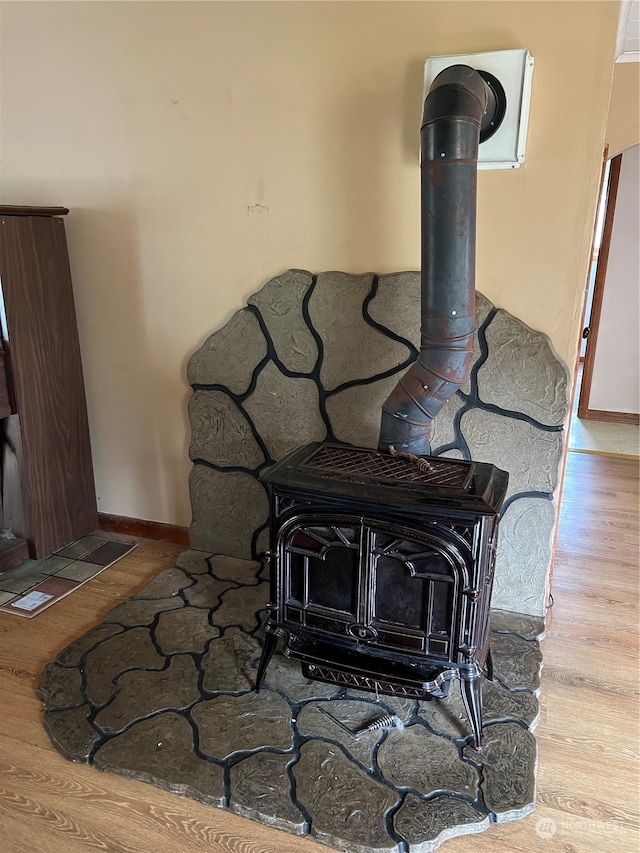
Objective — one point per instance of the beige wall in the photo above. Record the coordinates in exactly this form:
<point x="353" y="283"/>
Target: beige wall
<point x="204" y="147"/>
<point x="623" y="123"/>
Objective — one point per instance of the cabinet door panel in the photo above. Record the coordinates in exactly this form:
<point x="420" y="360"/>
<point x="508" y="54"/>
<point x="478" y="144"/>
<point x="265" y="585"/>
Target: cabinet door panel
<point x="41" y="340"/>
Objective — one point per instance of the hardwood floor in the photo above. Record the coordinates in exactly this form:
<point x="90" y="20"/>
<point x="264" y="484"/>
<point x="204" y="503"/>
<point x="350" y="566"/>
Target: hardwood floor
<point x="587" y="736"/>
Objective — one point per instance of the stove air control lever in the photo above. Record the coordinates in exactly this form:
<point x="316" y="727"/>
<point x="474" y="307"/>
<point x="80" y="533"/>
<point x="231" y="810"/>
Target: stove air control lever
<point x="362" y="632"/>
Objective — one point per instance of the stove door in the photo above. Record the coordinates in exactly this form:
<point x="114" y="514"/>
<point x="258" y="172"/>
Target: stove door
<point x="370" y="584"/>
<point x="415" y="587"/>
<point x="320" y="575"/>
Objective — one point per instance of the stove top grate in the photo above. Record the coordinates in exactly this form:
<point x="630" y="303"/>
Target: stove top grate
<point x="379" y="467"/>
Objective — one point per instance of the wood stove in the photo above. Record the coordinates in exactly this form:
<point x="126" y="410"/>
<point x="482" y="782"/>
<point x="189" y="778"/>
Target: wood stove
<point x="382" y="568"/>
<point x="382" y="562"/>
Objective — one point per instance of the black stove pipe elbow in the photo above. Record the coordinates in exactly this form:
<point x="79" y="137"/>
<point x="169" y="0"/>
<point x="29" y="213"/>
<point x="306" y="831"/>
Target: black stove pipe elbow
<point x="458" y="104"/>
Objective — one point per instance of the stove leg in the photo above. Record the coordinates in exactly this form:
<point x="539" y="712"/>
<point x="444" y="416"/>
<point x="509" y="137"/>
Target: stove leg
<point x="471" y="688"/>
<point x="270" y="642"/>
<point x="489" y="665"/>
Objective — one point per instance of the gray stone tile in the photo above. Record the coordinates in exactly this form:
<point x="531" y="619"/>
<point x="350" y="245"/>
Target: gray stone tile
<point x="206" y="592"/>
<point x="194" y="562"/>
<point x="397" y="305"/>
<point x="425" y="825"/>
<point x="60" y="687"/>
<point x="446" y="716"/>
<point x="143" y="692"/>
<point x="220" y="361"/>
<point x="352" y="417"/>
<point x="240" y="606"/>
<point x="78" y="570"/>
<point x="230" y="663"/>
<point x="227" y="724"/>
<point x="168" y="583"/>
<point x="128" y="650"/>
<point x="532" y="457"/>
<point x="398" y="705"/>
<point x="353" y="349"/>
<point x="71" y="733"/>
<point x="442" y="429"/>
<point x="129" y="683"/>
<point x="232" y="569"/>
<point x="358" y="803"/>
<point x="527" y="627"/>
<point x="418" y="759"/>
<point x="280" y="304"/>
<point x="508" y="770"/>
<point x="6" y="596"/>
<point x="499" y="703"/>
<point x="221" y="433"/>
<point x="483" y="309"/>
<point x="283" y="410"/>
<point x="261" y="790"/>
<point x="516" y="662"/>
<point x="161" y="751"/>
<point x="53" y="564"/>
<point x="184" y="630"/>
<point x="72" y="655"/>
<point x="78" y="549"/>
<point x="18" y="583"/>
<point x="141" y="612"/>
<point x="355" y="715"/>
<point x="227" y="508"/>
<point x="524" y="544"/>
<point x="523" y="373"/>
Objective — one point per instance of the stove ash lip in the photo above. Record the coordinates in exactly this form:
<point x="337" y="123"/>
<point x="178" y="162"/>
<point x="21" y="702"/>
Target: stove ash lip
<point x="459" y="104"/>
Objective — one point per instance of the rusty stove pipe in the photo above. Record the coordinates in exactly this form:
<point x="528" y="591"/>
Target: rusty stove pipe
<point x="454" y="110"/>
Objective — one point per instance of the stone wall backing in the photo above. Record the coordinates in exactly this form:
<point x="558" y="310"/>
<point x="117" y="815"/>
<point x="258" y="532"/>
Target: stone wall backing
<point x="313" y="357"/>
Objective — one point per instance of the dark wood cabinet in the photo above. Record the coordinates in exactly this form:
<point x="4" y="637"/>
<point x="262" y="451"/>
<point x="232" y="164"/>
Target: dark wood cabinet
<point x="48" y="492"/>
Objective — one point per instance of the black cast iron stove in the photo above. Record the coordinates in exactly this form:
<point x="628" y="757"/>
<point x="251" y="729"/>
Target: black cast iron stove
<point x="381" y="570"/>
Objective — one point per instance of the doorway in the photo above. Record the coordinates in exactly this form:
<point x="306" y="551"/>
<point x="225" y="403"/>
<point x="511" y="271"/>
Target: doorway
<point x="608" y="391"/>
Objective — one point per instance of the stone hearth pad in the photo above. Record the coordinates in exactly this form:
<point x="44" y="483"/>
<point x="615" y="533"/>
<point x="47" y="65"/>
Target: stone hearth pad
<point x="162" y="691"/>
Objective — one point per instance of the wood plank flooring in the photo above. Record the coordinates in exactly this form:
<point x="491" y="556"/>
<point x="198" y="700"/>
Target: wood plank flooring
<point x="587" y="736"/>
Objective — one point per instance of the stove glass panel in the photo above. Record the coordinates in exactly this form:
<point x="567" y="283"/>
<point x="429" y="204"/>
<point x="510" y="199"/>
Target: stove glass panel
<point x="323" y="567"/>
<point x="400" y="599"/>
<point x="414" y="585"/>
